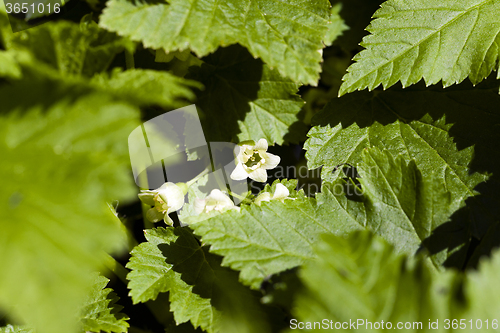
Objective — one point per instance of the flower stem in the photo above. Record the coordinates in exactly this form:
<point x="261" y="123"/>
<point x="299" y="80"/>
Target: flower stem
<point x="195" y="179"/>
<point x="242" y="198"/>
<point x="129" y="59"/>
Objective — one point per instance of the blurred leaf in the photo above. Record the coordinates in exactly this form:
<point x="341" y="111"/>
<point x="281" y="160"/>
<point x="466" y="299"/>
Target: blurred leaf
<point x="70" y="48"/>
<point x="62" y="162"/>
<point x="148" y="87"/>
<point x="374" y="284"/>
<point x="336" y="26"/>
<point x="8" y="66"/>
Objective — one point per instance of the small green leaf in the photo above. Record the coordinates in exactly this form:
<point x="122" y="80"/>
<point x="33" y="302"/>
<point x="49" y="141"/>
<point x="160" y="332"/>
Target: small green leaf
<point x="101" y="313"/>
<point x="336" y="26"/>
<point x="15" y="329"/>
<point x="151" y="275"/>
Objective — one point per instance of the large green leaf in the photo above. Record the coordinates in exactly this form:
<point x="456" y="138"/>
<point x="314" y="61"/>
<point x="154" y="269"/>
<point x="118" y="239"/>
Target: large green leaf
<point x="398" y="203"/>
<point x="374" y="284"/>
<point x="61" y="162"/>
<point x="101" y="313"/>
<point x="286" y="35"/>
<point x="430" y="39"/>
<point x="245" y="99"/>
<point x="200" y="290"/>
<point x="415" y="125"/>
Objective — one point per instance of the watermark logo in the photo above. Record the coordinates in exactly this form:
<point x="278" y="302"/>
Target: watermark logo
<point x="170" y="157"/>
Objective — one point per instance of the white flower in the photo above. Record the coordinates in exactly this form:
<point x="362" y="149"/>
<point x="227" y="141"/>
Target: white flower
<point x="166" y="199"/>
<point x="253" y="161"/>
<point x="217" y="201"/>
<point x="281" y="193"/>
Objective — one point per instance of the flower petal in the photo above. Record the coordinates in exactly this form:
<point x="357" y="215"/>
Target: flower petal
<point x="199" y="205"/>
<point x="259" y="175"/>
<point x="147" y="197"/>
<point x="272" y="161"/>
<point x="154" y="216"/>
<point x="239" y="173"/>
<point x="266" y="196"/>
<point x="168" y="220"/>
<point x="172" y="195"/>
<point x="261" y="145"/>
<point x="281" y="192"/>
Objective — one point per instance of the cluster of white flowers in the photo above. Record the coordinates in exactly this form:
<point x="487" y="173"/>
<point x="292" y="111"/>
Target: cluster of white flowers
<point x="252" y="162"/>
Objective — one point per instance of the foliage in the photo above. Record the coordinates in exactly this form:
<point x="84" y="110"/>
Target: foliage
<point x="401" y="223"/>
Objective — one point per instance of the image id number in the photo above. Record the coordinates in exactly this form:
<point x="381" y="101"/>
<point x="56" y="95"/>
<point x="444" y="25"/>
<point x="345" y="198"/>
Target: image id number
<point x="25" y="8"/>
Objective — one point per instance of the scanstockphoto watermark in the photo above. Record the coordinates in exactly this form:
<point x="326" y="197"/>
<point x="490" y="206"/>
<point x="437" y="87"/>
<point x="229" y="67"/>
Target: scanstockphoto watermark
<point x="358" y="324"/>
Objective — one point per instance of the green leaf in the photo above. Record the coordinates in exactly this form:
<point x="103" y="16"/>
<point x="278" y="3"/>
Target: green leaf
<point x="65" y="160"/>
<point x="481" y="289"/>
<point x="70" y="48"/>
<point x="263" y="240"/>
<point x="245" y="99"/>
<point x="437" y="40"/>
<point x="286" y="35"/>
<point x="373" y="283"/>
<point x="15" y="329"/>
<point x="148" y="87"/>
<point x="8" y="66"/>
<point x="414" y="125"/>
<point x="336" y="26"/>
<point x="151" y="275"/>
<point x="101" y="313"/>
<point x="271" y="238"/>
<point x="200" y="290"/>
<point x="398" y="202"/>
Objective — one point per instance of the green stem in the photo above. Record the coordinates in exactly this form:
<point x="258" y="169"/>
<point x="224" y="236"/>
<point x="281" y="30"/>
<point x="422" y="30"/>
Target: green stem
<point x="129" y="59"/>
<point x="195" y="179"/>
<point x="117" y="268"/>
<point x="242" y="198"/>
<point x="143" y="181"/>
